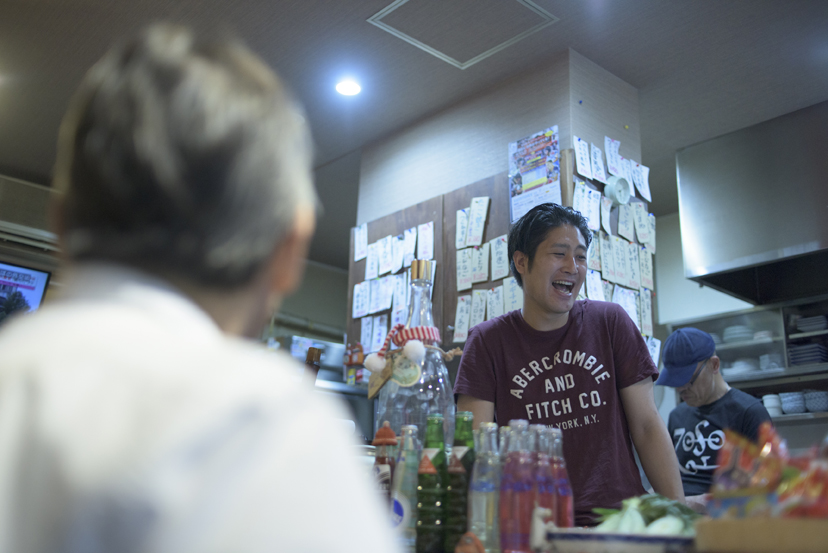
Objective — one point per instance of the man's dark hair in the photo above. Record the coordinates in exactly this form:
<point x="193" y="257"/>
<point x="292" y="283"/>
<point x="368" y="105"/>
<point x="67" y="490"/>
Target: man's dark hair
<point x="531" y="229"/>
<point x="182" y="157"/>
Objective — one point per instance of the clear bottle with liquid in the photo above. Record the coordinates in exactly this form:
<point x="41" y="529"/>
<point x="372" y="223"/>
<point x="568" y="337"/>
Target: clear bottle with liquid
<point x="484" y="490"/>
<point x="564" y="502"/>
<point x="517" y="498"/>
<point x="404" y="488"/>
<point x="545" y="483"/>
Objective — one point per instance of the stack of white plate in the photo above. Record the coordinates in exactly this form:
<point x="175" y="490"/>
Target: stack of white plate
<point x="793" y="402"/>
<point x="737" y="333"/>
<point x="741" y="366"/>
<point x="770" y="361"/>
<point x="808" y="354"/>
<point x="812" y="324"/>
<point x="816" y="401"/>
<point x="763" y="335"/>
<point x="773" y="404"/>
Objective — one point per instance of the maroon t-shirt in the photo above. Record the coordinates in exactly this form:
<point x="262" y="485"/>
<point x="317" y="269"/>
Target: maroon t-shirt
<point x="568" y="378"/>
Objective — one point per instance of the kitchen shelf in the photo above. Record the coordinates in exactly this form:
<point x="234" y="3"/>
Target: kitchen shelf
<point x="811" y="334"/>
<point x="747" y="344"/>
<point x="342" y="388"/>
<point x="800" y="417"/>
<point x="766" y="374"/>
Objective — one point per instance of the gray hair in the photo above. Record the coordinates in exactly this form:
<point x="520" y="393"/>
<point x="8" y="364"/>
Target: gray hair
<point x="182" y="157"/>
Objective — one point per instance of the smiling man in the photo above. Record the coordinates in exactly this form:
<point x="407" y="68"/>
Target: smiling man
<point x="581" y="366"/>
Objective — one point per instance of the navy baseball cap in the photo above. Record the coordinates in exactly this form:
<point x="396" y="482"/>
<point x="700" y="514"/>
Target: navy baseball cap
<point x="682" y="352"/>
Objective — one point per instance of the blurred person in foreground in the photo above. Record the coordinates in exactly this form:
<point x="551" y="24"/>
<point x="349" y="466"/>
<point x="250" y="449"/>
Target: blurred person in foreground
<point x="133" y="416"/>
<point x="709" y="406"/>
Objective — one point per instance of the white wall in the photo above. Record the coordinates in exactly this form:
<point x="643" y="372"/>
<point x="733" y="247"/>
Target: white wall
<point x="679" y="298"/>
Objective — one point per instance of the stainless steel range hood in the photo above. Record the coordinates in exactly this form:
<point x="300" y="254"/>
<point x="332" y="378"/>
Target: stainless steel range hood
<point x="754" y="209"/>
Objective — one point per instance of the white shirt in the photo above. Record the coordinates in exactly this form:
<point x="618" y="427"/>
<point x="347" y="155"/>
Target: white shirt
<point x="130" y="423"/>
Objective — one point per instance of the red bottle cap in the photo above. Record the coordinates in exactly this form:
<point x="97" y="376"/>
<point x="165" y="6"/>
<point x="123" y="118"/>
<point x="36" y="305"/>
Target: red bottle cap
<point x="384" y="435"/>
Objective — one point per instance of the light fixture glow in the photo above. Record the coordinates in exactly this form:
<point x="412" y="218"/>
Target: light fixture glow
<point x="348" y="88"/>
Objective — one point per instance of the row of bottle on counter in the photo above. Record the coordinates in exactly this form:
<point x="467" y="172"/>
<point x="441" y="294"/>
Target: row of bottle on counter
<point x="488" y="482"/>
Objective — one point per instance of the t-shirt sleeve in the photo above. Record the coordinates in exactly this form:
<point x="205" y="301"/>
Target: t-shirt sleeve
<point x="633" y="362"/>
<point x="476" y="375"/>
<point x="755" y="415"/>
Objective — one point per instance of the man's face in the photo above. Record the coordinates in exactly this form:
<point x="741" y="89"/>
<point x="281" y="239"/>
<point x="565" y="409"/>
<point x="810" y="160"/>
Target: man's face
<point x="701" y="391"/>
<point x="557" y="272"/>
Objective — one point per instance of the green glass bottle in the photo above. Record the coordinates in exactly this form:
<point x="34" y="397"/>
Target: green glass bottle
<point x="431" y="488"/>
<point x="459" y="472"/>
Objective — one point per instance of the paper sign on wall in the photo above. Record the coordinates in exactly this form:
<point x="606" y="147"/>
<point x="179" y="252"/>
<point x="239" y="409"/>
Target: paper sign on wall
<point x="642" y="223"/>
<point x="607" y="258"/>
<point x="613" y="159"/>
<point x="399" y="315"/>
<point x="595" y="290"/>
<point x="461" y="319"/>
<point x="594" y="253"/>
<point x="366" y="332"/>
<point x="362" y="297"/>
<point x="582" y="162"/>
<point x="646" y="312"/>
<point x="593" y="209"/>
<point x="626" y="299"/>
<point x="478" y="308"/>
<point x="645" y="259"/>
<point x="400" y="287"/>
<point x="651" y="245"/>
<point x="634" y="274"/>
<point x="625" y="222"/>
<point x="606" y="213"/>
<point x="425" y="241"/>
<point x="372" y="262"/>
<point x="360" y="241"/>
<point x="397" y="253"/>
<point x="608" y="289"/>
<point x="644" y="182"/>
<point x="409" y="246"/>
<point x="579" y="197"/>
<point x="619" y="255"/>
<point x="626" y="172"/>
<point x="480" y="263"/>
<point x="462" y="228"/>
<point x="654" y="345"/>
<point x="494" y="302"/>
<point x="387" y="291"/>
<point x="380" y="331"/>
<point x="598" y="172"/>
<point x="376" y="296"/>
<point x="384" y="253"/>
<point x="512" y="295"/>
<point x="477" y="220"/>
<point x="464" y="269"/>
<point x="500" y="257"/>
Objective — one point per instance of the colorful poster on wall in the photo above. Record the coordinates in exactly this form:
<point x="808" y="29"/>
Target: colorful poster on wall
<point x="534" y="172"/>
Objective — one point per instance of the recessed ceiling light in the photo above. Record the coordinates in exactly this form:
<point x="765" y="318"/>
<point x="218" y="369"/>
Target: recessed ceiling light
<point x="348" y="88"/>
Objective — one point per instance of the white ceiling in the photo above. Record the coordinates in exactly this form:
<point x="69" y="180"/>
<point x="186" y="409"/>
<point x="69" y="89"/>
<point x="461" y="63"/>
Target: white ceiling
<point x="703" y="68"/>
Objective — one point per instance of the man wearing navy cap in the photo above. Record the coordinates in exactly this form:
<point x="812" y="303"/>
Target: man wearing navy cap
<point x="709" y="407"/>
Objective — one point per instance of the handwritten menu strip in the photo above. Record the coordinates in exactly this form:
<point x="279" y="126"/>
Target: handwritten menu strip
<point x="644" y="182"/>
<point x="645" y="259"/>
<point x="595" y="290"/>
<point x="361" y="242"/>
<point x="366" y="335"/>
<point x="594" y="252"/>
<point x="598" y="172"/>
<point x="582" y="161"/>
<point x="400" y="286"/>
<point x="626" y="172"/>
<point x="654" y="345"/>
<point x="593" y="214"/>
<point x="579" y="197"/>
<point x="634" y="274"/>
<point x="500" y="257"/>
<point x="464" y="269"/>
<point x="477" y="220"/>
<point x="651" y="245"/>
<point x="607" y="258"/>
<point x="642" y="224"/>
<point x="512" y="295"/>
<point x="376" y="296"/>
<point x="387" y="291"/>
<point x="646" y="312"/>
<point x="379" y="333"/>
<point x="372" y="262"/>
<point x="619" y="255"/>
<point x="362" y="297"/>
<point x="606" y="212"/>
<point x="478" y="307"/>
<point x="461" y="319"/>
<point x="625" y="222"/>
<point x="425" y="241"/>
<point x="399" y="315"/>
<point x="626" y="299"/>
<point x="608" y="289"/>
<point x="384" y="253"/>
<point x="494" y="302"/>
<point x="462" y="228"/>
<point x="613" y="159"/>
<point x="480" y="263"/>
<point x="409" y="246"/>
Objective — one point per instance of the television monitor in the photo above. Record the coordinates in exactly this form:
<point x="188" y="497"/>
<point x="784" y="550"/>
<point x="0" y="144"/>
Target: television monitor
<point x="21" y="289"/>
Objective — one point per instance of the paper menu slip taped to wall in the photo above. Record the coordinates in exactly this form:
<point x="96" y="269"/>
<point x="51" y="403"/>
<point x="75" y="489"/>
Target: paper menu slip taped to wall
<point x="633" y="268"/>
<point x="626" y="172"/>
<point x="461" y="319"/>
<point x="608" y="289"/>
<point x="613" y="159"/>
<point x="376" y="296"/>
<point x="625" y="222"/>
<point x="400" y="286"/>
<point x="409" y="246"/>
<point x="397" y="253"/>
<point x="380" y="331"/>
<point x="387" y="288"/>
<point x="399" y="315"/>
<point x="372" y="262"/>
<point x="500" y="257"/>
<point x="593" y="213"/>
<point x="646" y="312"/>
<point x="362" y="297"/>
<point x="595" y="290"/>
<point x="651" y="245"/>
<point x="360" y="241"/>
<point x="619" y="256"/>
<point x="607" y="258"/>
<point x="606" y="214"/>
<point x="598" y="172"/>
<point x="643" y="184"/>
<point x="512" y="295"/>
<point x="366" y="333"/>
<point x="494" y="302"/>
<point x="654" y="345"/>
<point x="384" y="254"/>
<point x="582" y="162"/>
<point x="645" y="259"/>
<point x="477" y="220"/>
<point x="425" y="241"/>
<point x="461" y="229"/>
<point x="579" y="197"/>
<point x="642" y="223"/>
<point x="480" y="263"/>
<point x="478" y="307"/>
<point x="626" y="299"/>
<point x="464" y="269"/>
<point x="594" y="252"/>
